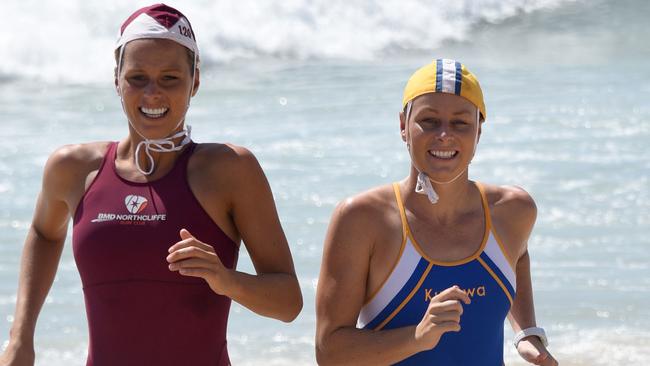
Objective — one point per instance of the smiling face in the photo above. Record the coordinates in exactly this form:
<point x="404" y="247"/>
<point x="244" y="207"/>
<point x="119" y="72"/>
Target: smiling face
<point x="441" y="133"/>
<point x="155" y="82"/>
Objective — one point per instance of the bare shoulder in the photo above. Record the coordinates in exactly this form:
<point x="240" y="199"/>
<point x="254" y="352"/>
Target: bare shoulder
<point x="216" y="158"/>
<point x="513" y="212"/>
<point x="511" y="203"/>
<point x="65" y="176"/>
<point x="362" y="242"/>
<point x="369" y="205"/>
<point x="218" y="174"/>
<point x="227" y="151"/>
<point x="79" y="153"/>
<point x="70" y="162"/>
<point x="368" y="215"/>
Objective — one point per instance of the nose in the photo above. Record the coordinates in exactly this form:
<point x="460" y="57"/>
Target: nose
<point x="151" y="89"/>
<point x="443" y="132"/>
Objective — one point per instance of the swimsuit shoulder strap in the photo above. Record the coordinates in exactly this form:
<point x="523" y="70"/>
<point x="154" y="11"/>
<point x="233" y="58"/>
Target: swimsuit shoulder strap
<point x="486" y="207"/>
<point x="402" y="212"/>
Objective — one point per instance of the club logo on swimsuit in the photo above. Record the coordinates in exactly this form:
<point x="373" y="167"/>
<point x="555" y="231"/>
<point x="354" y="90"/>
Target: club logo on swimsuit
<point x="135" y="204"/>
<point x="478" y="291"/>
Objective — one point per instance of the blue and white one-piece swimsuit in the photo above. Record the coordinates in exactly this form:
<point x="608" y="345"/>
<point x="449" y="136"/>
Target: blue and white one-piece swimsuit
<point x="487" y="277"/>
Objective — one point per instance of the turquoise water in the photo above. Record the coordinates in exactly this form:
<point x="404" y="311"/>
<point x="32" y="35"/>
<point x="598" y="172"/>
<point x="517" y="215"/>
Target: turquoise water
<point x="567" y="94"/>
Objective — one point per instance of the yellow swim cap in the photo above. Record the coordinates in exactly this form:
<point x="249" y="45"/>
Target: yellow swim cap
<point x="445" y="76"/>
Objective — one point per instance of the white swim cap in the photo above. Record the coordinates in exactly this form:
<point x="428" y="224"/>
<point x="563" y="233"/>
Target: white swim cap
<point x="158" y="21"/>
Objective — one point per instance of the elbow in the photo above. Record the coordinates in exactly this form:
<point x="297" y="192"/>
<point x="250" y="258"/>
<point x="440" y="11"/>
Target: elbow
<point x="326" y="357"/>
<point x="325" y="354"/>
<point x="322" y="358"/>
<point x="297" y="308"/>
<point x="294" y="308"/>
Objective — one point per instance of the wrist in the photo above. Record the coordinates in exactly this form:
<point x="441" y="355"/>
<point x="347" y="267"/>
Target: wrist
<point x="228" y="279"/>
<point x="419" y="344"/>
<point x="21" y="336"/>
<point x="531" y="332"/>
<point x="20" y="345"/>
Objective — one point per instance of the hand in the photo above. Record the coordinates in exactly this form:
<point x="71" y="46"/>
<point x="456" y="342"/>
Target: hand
<point x="191" y="257"/>
<point x="442" y="316"/>
<point x="532" y="350"/>
<point x="17" y="356"/>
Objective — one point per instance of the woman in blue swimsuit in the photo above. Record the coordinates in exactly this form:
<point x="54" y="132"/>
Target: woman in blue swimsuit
<point x="425" y="271"/>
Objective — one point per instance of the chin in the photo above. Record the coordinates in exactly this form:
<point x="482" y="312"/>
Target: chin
<point x="154" y="129"/>
<point x="444" y="174"/>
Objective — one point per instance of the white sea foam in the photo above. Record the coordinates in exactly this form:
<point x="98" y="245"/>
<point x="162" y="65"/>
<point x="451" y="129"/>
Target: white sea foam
<point x="595" y="347"/>
<point x="572" y="347"/>
<point x="73" y="40"/>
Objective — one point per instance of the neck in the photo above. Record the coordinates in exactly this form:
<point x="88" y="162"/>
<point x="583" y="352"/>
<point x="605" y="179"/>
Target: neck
<point x="455" y="198"/>
<point x="162" y="161"/>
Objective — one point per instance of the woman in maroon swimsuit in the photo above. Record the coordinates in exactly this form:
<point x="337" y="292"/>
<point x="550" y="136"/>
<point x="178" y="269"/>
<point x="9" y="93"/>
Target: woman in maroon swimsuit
<point x="157" y="221"/>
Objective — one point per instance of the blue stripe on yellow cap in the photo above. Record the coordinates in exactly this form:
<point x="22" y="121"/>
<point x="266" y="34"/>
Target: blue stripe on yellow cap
<point x="459" y="78"/>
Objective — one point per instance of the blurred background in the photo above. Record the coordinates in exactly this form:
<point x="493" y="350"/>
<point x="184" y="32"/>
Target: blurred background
<point x="313" y="88"/>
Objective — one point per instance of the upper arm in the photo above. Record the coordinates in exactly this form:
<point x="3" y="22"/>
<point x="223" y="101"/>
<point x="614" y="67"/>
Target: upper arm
<point x="520" y="211"/>
<point x="52" y="212"/>
<point x="344" y="270"/>
<point x="524" y="217"/>
<point x="516" y="213"/>
<point x="255" y="216"/>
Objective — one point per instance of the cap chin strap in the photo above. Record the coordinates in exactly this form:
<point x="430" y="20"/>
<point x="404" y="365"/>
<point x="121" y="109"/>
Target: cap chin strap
<point x="160" y="145"/>
<point x="423" y="184"/>
<point x="166" y="144"/>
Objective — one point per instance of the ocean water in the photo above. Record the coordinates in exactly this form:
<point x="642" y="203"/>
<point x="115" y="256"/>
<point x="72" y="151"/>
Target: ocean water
<point x="313" y="88"/>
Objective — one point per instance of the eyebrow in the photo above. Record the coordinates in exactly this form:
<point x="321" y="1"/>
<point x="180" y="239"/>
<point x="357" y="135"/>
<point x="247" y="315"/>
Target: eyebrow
<point x="169" y="68"/>
<point x="429" y="109"/>
<point x="464" y="111"/>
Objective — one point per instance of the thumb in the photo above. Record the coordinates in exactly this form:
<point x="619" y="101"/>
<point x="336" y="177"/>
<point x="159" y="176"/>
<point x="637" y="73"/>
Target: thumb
<point x="541" y="358"/>
<point x="185" y="234"/>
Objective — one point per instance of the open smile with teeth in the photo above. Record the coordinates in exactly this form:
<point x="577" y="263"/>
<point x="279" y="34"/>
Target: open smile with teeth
<point x="154" y="112"/>
<point x="443" y="154"/>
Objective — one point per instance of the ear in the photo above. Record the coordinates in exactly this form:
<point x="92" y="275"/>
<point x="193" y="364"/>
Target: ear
<point x="402" y="126"/>
<point x="480" y="130"/>
<point x="197" y="80"/>
<point x="117" y="86"/>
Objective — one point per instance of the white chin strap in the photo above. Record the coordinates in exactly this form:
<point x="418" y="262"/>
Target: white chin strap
<point x="166" y="144"/>
<point x="423" y="184"/>
<point x="160" y="145"/>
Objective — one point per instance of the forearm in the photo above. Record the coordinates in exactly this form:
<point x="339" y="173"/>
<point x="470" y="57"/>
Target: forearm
<point x="38" y="266"/>
<point x="522" y="313"/>
<point x="352" y="346"/>
<point x="275" y="295"/>
<point x="521" y="318"/>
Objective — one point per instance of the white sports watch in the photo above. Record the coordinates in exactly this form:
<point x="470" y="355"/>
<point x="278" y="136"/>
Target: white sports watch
<point x="532" y="331"/>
